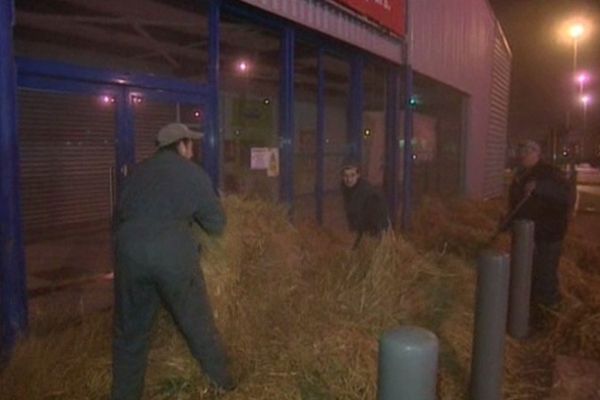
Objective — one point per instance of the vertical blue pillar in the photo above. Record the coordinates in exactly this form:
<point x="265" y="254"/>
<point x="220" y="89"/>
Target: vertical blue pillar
<point x="408" y="124"/>
<point x="286" y="118"/>
<point x="355" y="108"/>
<point x="13" y="288"/>
<point x="391" y="142"/>
<point x="125" y="136"/>
<point x="320" y="181"/>
<point x="212" y="138"/>
<point x="408" y="151"/>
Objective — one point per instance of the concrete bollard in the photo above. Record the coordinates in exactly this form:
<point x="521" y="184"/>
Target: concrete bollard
<point x="521" y="260"/>
<point x="493" y="273"/>
<point x="408" y="358"/>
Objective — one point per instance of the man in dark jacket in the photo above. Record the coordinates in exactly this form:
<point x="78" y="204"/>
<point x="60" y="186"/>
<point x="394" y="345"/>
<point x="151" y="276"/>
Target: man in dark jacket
<point x="158" y="262"/>
<point x="366" y="209"/>
<point x="547" y="204"/>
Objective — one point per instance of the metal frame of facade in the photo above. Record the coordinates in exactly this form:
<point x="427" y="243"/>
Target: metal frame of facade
<point x="13" y="293"/>
<point x="391" y="141"/>
<point x="54" y="76"/>
<point x="286" y="117"/>
<point x="320" y="181"/>
<point x="355" y="118"/>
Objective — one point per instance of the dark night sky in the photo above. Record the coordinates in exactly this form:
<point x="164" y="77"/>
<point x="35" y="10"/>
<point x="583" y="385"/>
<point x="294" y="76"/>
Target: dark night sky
<point x="542" y="63"/>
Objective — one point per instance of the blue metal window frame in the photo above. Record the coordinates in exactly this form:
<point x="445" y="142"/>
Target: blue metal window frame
<point x="406" y="223"/>
<point x="320" y="181"/>
<point x="53" y="69"/>
<point x="408" y="150"/>
<point x="13" y="286"/>
<point x="286" y="118"/>
<point x="212" y="138"/>
<point x="391" y="143"/>
<point x="356" y="106"/>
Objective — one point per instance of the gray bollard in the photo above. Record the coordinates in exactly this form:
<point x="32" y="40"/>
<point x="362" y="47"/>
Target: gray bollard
<point x="521" y="260"/>
<point x="493" y="273"/>
<point x="408" y="358"/>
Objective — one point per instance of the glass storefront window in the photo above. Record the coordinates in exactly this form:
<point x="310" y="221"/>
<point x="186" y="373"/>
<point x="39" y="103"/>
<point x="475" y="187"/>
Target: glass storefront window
<point x="249" y="104"/>
<point x="337" y="144"/>
<point x="305" y="134"/>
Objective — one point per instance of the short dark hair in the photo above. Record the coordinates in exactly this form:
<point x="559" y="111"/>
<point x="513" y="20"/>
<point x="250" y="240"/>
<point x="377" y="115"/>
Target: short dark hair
<point x="350" y="166"/>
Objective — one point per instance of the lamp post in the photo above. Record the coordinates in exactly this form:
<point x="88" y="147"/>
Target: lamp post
<point x="582" y="78"/>
<point x="585" y="100"/>
<point x="576" y="31"/>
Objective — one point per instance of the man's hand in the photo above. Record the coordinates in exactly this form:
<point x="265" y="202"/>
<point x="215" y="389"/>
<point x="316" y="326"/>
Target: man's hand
<point x="529" y="188"/>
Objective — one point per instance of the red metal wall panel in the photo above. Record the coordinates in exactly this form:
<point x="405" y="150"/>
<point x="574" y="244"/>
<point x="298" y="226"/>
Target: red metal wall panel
<point x="387" y="13"/>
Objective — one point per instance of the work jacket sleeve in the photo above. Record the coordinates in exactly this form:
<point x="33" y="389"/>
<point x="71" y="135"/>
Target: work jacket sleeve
<point x="553" y="189"/>
<point x="209" y="213"/>
<point x="374" y="215"/>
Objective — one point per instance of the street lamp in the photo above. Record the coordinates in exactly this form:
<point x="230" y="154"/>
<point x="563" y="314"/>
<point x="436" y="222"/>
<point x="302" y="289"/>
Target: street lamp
<point x="576" y="31"/>
<point x="582" y="78"/>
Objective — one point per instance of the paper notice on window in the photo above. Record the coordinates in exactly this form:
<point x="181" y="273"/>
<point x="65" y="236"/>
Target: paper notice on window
<point x="259" y="158"/>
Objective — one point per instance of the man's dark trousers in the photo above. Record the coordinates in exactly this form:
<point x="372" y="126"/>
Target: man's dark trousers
<point x="139" y="291"/>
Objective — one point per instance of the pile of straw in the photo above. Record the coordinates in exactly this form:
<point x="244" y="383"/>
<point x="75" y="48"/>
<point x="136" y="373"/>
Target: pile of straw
<point x="301" y="313"/>
<point x="464" y="227"/>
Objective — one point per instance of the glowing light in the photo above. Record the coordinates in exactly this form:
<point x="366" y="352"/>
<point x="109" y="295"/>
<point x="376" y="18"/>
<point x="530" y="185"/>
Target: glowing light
<point x="576" y="31"/>
<point x="198" y="114"/>
<point x="367" y="132"/>
<point x="585" y="99"/>
<point x="107" y="99"/>
<point x="137" y="99"/>
<point x="243" y="66"/>
<point x="414" y="156"/>
<point x="266" y="101"/>
<point x="582" y="78"/>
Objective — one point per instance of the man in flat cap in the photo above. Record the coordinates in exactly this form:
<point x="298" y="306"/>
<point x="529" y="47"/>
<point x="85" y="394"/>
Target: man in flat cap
<point x="539" y="192"/>
<point x="158" y="261"/>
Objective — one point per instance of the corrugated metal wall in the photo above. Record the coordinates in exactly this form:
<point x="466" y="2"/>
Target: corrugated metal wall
<point x="453" y="42"/>
<point x="336" y="22"/>
<point x="497" y="137"/>
<point x="67" y="158"/>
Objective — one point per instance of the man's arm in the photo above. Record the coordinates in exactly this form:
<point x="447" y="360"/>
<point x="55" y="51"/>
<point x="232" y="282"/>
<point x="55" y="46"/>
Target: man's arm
<point x="375" y="215"/>
<point x="209" y="212"/>
<point x="554" y="189"/>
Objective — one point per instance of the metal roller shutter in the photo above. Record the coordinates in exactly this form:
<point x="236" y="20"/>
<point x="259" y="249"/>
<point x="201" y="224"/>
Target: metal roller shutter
<point x="149" y="118"/>
<point x="67" y="160"/>
<point x="497" y="134"/>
